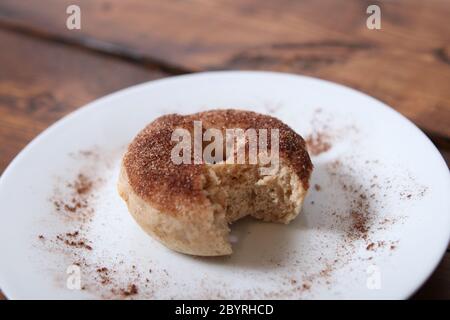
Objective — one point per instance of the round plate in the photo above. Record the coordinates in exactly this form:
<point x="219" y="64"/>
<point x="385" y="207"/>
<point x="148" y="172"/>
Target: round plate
<point x="378" y="201"/>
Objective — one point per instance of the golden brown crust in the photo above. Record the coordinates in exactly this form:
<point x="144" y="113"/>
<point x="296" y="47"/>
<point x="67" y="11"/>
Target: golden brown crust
<point x="155" y="178"/>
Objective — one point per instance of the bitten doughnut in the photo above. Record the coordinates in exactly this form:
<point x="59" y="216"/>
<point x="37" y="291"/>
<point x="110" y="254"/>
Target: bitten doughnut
<point x="189" y="206"/>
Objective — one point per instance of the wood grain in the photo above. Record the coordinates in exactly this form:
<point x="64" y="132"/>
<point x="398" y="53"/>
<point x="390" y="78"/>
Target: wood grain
<point x="406" y="64"/>
<point x="40" y="82"/>
<point x="438" y="286"/>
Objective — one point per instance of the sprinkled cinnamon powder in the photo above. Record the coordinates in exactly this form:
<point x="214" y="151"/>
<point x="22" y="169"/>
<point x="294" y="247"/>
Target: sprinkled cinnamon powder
<point x="82" y="185"/>
<point x="359" y="227"/>
<point x="74" y="203"/>
<point x="72" y="240"/>
<point x="320" y="139"/>
<point x="306" y="286"/>
<point x="317" y="143"/>
<point x="360" y="220"/>
<point x="103" y="273"/>
<point x="131" y="290"/>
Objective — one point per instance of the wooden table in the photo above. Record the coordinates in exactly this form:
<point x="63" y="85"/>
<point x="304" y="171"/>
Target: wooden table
<point x="47" y="71"/>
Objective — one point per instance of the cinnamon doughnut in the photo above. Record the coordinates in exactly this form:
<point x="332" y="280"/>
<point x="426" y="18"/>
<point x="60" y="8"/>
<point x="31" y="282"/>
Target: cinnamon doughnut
<point x="189" y="207"/>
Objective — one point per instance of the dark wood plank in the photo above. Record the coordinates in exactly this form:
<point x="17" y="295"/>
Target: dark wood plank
<point x="406" y="64"/>
<point x="446" y="156"/>
<point x="438" y="286"/>
<point x="40" y="82"/>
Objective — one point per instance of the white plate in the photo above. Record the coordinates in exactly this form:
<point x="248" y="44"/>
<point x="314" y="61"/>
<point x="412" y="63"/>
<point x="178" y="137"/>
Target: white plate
<point x="373" y="147"/>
